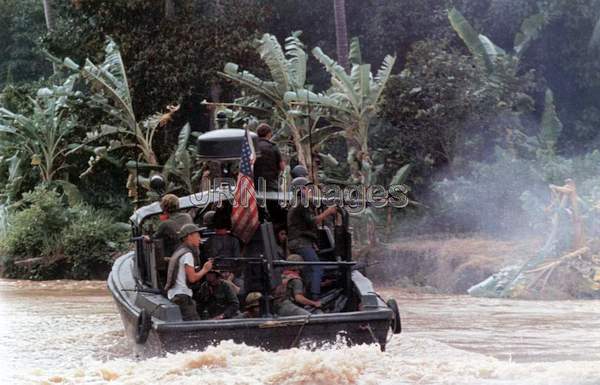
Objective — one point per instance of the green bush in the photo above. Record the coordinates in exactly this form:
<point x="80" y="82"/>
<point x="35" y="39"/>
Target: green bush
<point x="34" y="231"/>
<point x="76" y="242"/>
<point x="91" y="242"/>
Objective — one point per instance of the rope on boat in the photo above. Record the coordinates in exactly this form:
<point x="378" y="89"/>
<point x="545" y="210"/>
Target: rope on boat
<point x="297" y="338"/>
<point x="372" y="334"/>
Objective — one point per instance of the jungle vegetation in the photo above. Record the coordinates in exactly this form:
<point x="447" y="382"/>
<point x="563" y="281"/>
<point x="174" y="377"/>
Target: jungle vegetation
<point x="475" y="105"/>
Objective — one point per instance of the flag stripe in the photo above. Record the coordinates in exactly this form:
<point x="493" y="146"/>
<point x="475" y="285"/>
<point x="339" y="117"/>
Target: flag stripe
<point x="244" y="216"/>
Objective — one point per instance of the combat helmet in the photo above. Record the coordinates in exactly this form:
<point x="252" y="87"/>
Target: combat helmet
<point x="298" y="171"/>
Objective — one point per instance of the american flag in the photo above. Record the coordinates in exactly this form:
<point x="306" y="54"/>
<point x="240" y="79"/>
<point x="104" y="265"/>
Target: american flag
<point x="244" y="216"/>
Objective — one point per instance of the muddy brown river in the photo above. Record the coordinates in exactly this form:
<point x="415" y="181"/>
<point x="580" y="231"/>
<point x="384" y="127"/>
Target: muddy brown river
<point x="66" y="332"/>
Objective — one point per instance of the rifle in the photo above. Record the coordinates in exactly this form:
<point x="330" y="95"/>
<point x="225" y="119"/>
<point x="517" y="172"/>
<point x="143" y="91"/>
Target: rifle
<point x="231" y="263"/>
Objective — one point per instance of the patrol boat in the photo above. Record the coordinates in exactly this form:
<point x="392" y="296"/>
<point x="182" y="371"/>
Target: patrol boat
<point x="353" y="312"/>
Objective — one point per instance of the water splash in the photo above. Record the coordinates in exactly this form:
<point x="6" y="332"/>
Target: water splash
<point x="69" y="333"/>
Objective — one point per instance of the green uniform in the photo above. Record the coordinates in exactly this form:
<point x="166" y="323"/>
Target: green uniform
<point x="216" y="300"/>
<point x="302" y="228"/>
<point x="168" y="231"/>
<point x="285" y="303"/>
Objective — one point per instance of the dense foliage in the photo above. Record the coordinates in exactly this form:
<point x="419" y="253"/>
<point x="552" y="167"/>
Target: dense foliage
<point x="76" y="241"/>
<point x="488" y="100"/>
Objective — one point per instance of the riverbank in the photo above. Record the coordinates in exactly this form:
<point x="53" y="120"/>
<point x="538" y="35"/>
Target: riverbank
<point x="443" y="264"/>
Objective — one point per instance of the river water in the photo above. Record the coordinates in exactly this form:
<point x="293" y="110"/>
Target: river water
<point x="66" y="332"/>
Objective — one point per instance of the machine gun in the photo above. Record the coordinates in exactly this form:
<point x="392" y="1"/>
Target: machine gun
<point x="232" y="263"/>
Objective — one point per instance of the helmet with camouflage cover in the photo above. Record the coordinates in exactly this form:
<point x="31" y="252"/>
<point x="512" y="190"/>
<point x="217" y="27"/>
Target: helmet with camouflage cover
<point x="253" y="299"/>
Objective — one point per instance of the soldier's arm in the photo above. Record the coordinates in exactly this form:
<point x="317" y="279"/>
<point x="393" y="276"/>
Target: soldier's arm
<point x="194" y="276"/>
<point x="298" y="291"/>
<point x="327" y="213"/>
<point x="301" y="299"/>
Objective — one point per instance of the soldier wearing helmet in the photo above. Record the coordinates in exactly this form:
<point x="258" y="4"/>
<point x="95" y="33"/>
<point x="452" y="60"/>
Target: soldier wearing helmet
<point x="172" y="222"/>
<point x="252" y="307"/>
<point x="217" y="298"/>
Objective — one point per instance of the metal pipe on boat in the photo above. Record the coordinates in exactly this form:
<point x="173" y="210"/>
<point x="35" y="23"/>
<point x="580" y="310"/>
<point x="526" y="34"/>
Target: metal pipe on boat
<point x="319" y="263"/>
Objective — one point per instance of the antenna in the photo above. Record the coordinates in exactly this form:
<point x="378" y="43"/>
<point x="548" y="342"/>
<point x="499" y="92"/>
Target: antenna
<point x="310" y="144"/>
<point x="137" y="174"/>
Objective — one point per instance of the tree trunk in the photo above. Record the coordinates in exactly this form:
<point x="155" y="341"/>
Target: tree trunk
<point x="48" y="14"/>
<point x="341" y="32"/>
<point x="169" y="9"/>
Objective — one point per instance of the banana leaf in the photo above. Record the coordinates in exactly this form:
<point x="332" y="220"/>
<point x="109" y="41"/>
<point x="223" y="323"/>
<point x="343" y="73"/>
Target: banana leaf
<point x="272" y="54"/>
<point x="297" y="59"/>
<point x="471" y="39"/>
<point x="401" y="175"/>
<point x="530" y="30"/>
<point x="339" y="77"/>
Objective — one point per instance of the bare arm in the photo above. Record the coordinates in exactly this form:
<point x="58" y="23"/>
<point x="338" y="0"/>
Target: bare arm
<point x="327" y="213"/>
<point x="301" y="299"/>
<point x="194" y="276"/>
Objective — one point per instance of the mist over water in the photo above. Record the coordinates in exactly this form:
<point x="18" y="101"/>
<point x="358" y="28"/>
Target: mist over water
<point x="66" y="332"/>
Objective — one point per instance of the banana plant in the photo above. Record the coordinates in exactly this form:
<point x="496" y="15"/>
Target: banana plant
<point x="486" y="53"/>
<point x="179" y="168"/>
<point x="287" y="68"/>
<point x="110" y="92"/>
<point x="349" y="105"/>
<point x="43" y="137"/>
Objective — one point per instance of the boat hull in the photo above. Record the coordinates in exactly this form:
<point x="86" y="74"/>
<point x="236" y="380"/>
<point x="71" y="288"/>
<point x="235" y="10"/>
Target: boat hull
<point x="351" y="328"/>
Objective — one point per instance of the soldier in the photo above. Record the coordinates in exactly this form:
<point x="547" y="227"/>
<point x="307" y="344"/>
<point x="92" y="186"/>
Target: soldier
<point x="281" y="239"/>
<point x="270" y="163"/>
<point x="171" y="224"/>
<point x="208" y="220"/>
<point x="267" y="168"/>
<point x="181" y="271"/>
<point x="222" y="244"/>
<point x="303" y="232"/>
<point x="289" y="297"/>
<point x="252" y="308"/>
<point x="217" y="298"/>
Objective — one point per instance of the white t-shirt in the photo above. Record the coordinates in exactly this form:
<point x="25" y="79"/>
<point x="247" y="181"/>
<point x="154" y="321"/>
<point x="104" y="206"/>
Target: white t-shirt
<point x="180" y="286"/>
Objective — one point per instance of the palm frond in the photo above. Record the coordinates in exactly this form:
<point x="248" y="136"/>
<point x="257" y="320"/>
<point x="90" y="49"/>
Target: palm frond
<point x="308" y="98"/>
<point x="355" y="55"/>
<point x="382" y="77"/>
<point x="339" y="77"/>
<point x="272" y="54"/>
<point x="297" y="60"/>
<point x="247" y="79"/>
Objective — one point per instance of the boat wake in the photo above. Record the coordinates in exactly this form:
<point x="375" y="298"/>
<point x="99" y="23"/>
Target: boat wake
<point x="408" y="361"/>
